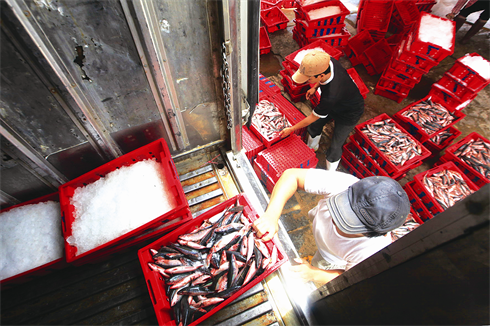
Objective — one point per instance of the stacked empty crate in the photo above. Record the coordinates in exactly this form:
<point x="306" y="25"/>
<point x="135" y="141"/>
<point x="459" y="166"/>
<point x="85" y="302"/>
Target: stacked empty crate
<point x="273" y="18"/>
<point x="321" y="21"/>
<point x="363" y="157"/>
<point x="290" y="152"/>
<point x="428" y="43"/>
<point x="292" y="62"/>
<point x="374" y="16"/>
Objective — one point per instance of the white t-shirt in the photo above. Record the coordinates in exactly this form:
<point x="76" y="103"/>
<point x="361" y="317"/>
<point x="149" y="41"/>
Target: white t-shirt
<point x="333" y="247"/>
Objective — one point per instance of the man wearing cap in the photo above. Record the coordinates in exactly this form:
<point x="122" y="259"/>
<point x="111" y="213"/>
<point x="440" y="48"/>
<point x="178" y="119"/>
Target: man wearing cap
<point x="340" y="100"/>
<point x="351" y="223"/>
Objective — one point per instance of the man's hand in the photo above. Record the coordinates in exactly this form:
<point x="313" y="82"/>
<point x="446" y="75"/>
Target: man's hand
<point x="450" y="16"/>
<point x="286" y="132"/>
<point x="310" y="93"/>
<point x="305" y="272"/>
<point x="266" y="227"/>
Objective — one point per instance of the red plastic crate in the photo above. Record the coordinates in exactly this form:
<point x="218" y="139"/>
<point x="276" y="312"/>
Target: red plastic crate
<point x="356" y="164"/>
<point x="267" y="4"/>
<point x="455" y="86"/>
<point x="291" y="152"/>
<point x="358" y="81"/>
<point x="273" y="19"/>
<point x="394" y="85"/>
<point x="405" y="56"/>
<point x="406" y="69"/>
<point x="324" y="21"/>
<point x="316" y="31"/>
<point x="294" y="97"/>
<point x="388" y="93"/>
<point x="268" y="87"/>
<point x="429" y="201"/>
<point x="436" y="148"/>
<point x="450" y="100"/>
<point x="351" y="55"/>
<point x="265" y="43"/>
<point x="40" y="270"/>
<point x="155" y="282"/>
<point x="360" y="42"/>
<point x="292" y="113"/>
<point x="374" y="15"/>
<point x="351" y="169"/>
<point x="294" y="88"/>
<point x="468" y="76"/>
<point x="333" y="52"/>
<point x="416" y="130"/>
<point x="422" y="213"/>
<point x="476" y="177"/>
<point x="427" y="49"/>
<point x="405" y="13"/>
<point x="425" y="5"/>
<point x="365" y="158"/>
<point x="157" y="150"/>
<point x="400" y="77"/>
<point x="263" y="176"/>
<point x="289" y="4"/>
<point x="379" y="156"/>
<point x="378" y="55"/>
<point x="251" y="144"/>
<point x="299" y="38"/>
<point x="338" y="40"/>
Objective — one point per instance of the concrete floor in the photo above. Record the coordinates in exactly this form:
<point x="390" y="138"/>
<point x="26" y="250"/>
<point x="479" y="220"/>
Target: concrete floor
<point x="477" y="112"/>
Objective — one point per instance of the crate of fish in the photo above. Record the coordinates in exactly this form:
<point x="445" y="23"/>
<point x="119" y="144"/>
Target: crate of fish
<point x="38" y="223"/>
<point x="428" y="117"/>
<point x="291" y="152"/>
<point x="422" y="213"/>
<point x="198" y="269"/>
<point x="411" y="223"/>
<point x="296" y="57"/>
<point x="118" y="200"/>
<point x="374" y="15"/>
<point x="363" y="155"/>
<point x="432" y="37"/>
<point x="251" y="144"/>
<point x="355" y="162"/>
<point x="472" y="70"/>
<point x="442" y="140"/>
<point x="263" y="176"/>
<point x="267" y="86"/>
<point x="323" y="13"/>
<point x="448" y="99"/>
<point x="358" y="81"/>
<point x="268" y="121"/>
<point x="389" y="93"/>
<point x="316" y="31"/>
<point x="441" y="187"/>
<point x="472" y="156"/>
<point x="265" y="43"/>
<point x="390" y="145"/>
<point x="273" y="19"/>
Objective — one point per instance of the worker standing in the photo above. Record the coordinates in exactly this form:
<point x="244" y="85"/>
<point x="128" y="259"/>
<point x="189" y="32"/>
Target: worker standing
<point x="340" y="101"/>
<point x="350" y="224"/>
<point x="465" y="7"/>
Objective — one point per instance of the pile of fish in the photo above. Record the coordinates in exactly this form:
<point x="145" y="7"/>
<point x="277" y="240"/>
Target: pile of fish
<point x="406" y="228"/>
<point x="447" y="187"/>
<point x="477" y="155"/>
<point x="393" y="142"/>
<point x="211" y="263"/>
<point x="440" y="137"/>
<point x="268" y="120"/>
<point x="431" y="116"/>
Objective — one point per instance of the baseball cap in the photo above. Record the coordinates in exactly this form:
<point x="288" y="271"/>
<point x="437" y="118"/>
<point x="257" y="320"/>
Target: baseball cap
<point x="314" y="63"/>
<point x="372" y="204"/>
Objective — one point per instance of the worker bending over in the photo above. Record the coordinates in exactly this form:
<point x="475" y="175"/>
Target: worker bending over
<point x="350" y="223"/>
<point x="340" y="101"/>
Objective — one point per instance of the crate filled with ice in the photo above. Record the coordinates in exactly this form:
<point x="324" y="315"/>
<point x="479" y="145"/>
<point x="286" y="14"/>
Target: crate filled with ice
<point x="121" y="199"/>
<point x="31" y="240"/>
<point x="201" y="267"/>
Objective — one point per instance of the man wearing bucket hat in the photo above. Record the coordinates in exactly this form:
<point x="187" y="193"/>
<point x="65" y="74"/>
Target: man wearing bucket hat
<point x="351" y="223"/>
<point x="340" y="100"/>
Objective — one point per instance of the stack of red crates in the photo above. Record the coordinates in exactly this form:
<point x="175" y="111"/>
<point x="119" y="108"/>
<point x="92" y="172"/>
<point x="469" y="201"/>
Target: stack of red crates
<point x="374" y="16"/>
<point x="297" y="91"/>
<point x="412" y="59"/>
<point x="469" y="170"/>
<point x="462" y="82"/>
<point x="363" y="49"/>
<point x="265" y="45"/>
<point x="251" y="144"/>
<point x="267" y="87"/>
<point x="290" y="152"/>
<point x="311" y="26"/>
<point x="405" y="14"/>
<point x="370" y="156"/>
